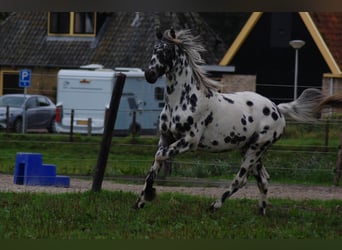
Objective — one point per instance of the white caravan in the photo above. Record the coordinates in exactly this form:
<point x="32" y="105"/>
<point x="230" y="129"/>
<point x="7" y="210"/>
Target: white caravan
<point x="87" y="91"/>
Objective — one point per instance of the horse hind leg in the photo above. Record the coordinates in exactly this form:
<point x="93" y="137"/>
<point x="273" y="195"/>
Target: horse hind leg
<point x="261" y="177"/>
<point x="239" y="180"/>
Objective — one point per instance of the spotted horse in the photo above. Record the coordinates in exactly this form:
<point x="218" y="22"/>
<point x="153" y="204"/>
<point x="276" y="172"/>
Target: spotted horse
<point x="196" y="116"/>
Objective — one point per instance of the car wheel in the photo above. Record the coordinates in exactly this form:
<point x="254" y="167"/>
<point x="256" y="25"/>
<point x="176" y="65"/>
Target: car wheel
<point x="18" y="125"/>
<point x="52" y="127"/>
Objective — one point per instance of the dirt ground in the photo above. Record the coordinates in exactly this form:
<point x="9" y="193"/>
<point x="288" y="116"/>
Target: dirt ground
<point x="250" y="191"/>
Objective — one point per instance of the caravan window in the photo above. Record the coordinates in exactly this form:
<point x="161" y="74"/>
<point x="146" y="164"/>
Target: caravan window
<point x="159" y="93"/>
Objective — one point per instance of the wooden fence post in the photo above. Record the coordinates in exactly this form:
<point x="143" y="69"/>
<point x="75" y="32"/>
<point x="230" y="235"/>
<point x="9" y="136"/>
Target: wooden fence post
<point x="108" y="133"/>
<point x="338" y="170"/>
<point x="89" y="126"/>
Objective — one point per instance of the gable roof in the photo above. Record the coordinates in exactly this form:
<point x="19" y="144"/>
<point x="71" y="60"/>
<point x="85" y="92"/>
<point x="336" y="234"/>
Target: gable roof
<point x="324" y="28"/>
<point x="125" y="40"/>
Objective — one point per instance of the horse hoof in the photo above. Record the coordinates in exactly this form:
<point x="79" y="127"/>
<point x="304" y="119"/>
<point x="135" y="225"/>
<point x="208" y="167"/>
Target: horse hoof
<point x="149" y="195"/>
<point x="262" y="211"/>
<point x="215" y="206"/>
<point x="138" y="205"/>
<point x="212" y="208"/>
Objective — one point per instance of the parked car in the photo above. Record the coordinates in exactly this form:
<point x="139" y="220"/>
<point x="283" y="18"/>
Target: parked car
<point x="40" y="112"/>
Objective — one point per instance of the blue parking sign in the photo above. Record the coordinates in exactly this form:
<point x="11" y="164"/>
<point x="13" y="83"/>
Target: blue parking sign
<point x="25" y="78"/>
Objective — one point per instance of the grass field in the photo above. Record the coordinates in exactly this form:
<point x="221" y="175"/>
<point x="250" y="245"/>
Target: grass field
<point x="302" y="155"/>
<point x="108" y="215"/>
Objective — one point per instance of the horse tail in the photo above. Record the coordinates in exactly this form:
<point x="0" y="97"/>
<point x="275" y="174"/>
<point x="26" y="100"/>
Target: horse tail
<point x="305" y="108"/>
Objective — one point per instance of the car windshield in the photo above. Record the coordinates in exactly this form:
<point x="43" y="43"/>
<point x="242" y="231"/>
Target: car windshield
<point x="11" y="101"/>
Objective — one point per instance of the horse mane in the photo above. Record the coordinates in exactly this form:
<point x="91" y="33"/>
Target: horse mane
<point x="192" y="47"/>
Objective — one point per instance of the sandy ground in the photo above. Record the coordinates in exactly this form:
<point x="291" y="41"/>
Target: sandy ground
<point x="296" y="192"/>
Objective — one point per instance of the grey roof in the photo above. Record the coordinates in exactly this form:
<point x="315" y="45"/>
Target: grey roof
<point x="120" y="42"/>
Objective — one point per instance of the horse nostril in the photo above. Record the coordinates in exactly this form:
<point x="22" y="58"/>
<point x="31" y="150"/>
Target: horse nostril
<point x="151" y="76"/>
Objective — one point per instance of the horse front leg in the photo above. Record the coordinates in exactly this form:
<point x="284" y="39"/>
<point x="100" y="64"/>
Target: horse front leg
<point x="163" y="154"/>
<point x="149" y="192"/>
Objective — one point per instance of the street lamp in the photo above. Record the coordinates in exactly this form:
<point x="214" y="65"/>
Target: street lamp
<point x="296" y="44"/>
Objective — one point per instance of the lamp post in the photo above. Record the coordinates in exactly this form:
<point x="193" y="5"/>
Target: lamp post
<point x="296" y="44"/>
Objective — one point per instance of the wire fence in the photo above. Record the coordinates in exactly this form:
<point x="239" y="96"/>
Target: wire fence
<point x="308" y="153"/>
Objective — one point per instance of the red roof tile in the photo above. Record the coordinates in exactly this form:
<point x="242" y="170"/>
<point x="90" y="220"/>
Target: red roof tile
<point x="329" y="25"/>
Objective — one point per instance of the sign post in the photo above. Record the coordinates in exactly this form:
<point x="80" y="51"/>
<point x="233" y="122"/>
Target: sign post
<point x="24" y="82"/>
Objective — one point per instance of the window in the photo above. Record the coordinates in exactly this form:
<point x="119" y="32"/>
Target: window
<point x="73" y="23"/>
<point x="31" y="103"/>
<point x="59" y="23"/>
<point x="84" y="23"/>
<point x="159" y="93"/>
<point x="10" y="83"/>
<point x="42" y="101"/>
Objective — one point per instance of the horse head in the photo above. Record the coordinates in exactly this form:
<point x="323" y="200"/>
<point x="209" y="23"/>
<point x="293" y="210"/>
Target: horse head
<point x="163" y="56"/>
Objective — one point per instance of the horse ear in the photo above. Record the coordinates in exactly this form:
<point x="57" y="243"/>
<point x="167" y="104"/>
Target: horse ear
<point x="158" y="33"/>
<point x="172" y="33"/>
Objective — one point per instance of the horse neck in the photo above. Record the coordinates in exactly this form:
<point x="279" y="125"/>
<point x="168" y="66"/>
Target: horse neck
<point x="180" y="85"/>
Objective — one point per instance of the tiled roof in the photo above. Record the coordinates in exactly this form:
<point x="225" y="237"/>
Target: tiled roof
<point x="329" y="25"/>
<point x="24" y="40"/>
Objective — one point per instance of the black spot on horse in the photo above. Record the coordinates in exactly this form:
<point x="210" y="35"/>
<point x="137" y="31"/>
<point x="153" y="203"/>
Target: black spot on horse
<point x="209" y="119"/>
<point x="182" y="97"/>
<point x="164" y="127"/>
<point x="209" y="93"/>
<point x="266" y="111"/>
<point x="187" y="88"/>
<point x="250" y="119"/>
<point x="228" y="100"/>
<point x="279" y="113"/>
<point x="190" y="120"/>
<point x="163" y="117"/>
<point x="227" y="139"/>
<point x="193" y="102"/>
<point x="249" y="103"/>
<point x="215" y="143"/>
<point x="275" y="135"/>
<point x="186" y="126"/>
<point x="264" y="131"/>
<point x="274" y="116"/>
<point x="170" y="89"/>
<point x="243" y="121"/>
<point x="237" y="139"/>
<point x="242" y="172"/>
<point x="179" y="127"/>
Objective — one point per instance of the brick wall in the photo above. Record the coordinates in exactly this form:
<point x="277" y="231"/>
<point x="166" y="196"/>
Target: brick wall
<point x="234" y="83"/>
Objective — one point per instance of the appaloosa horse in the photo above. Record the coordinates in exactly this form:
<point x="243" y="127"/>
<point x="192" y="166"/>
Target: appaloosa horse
<point x="197" y="116"/>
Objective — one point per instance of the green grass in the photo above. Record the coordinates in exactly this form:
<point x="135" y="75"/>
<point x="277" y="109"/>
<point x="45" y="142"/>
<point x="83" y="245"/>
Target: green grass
<point x="108" y="215"/>
<point x="302" y="155"/>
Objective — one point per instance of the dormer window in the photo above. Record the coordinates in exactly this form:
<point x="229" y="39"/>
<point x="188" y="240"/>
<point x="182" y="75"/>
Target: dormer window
<point x="72" y="23"/>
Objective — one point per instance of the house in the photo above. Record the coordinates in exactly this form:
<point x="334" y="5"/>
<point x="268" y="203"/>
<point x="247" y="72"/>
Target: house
<point x="45" y="42"/>
<point x="262" y="49"/>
